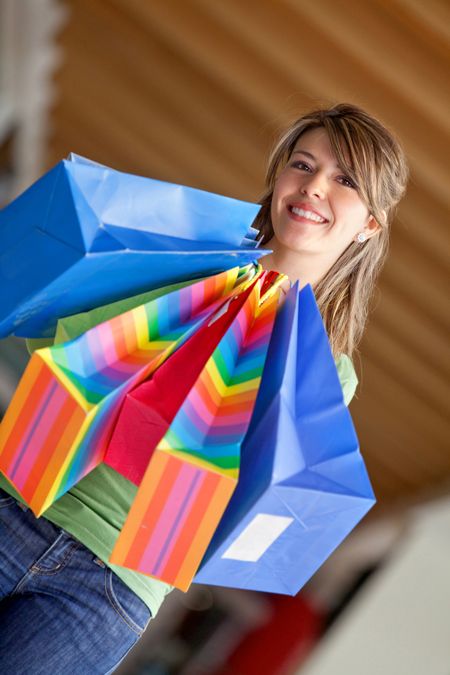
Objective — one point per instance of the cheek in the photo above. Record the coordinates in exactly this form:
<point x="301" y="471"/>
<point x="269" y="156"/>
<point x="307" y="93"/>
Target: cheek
<point x="353" y="214"/>
<point x="284" y="187"/>
<point x="275" y="206"/>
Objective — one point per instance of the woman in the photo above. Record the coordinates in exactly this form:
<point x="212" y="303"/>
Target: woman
<point x="333" y="182"/>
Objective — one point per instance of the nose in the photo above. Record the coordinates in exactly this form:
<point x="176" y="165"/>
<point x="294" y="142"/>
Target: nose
<point x="313" y="185"/>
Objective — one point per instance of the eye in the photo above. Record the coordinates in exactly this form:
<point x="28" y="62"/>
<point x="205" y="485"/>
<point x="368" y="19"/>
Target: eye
<point x="345" y="180"/>
<point x="303" y="166"/>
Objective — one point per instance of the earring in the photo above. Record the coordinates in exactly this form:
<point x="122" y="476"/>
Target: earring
<point x="361" y="238"/>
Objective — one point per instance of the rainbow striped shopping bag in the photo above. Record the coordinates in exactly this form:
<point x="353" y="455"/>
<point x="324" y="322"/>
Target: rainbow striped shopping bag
<point x="58" y="423"/>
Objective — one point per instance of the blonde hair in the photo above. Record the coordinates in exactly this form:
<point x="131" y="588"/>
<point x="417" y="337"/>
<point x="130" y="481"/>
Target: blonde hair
<point x="374" y="160"/>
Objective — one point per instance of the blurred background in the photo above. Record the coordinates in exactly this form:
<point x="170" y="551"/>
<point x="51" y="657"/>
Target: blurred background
<point x="194" y="92"/>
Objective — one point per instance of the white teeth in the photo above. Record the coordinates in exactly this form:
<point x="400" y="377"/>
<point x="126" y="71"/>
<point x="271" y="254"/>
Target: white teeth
<point x="307" y="214"/>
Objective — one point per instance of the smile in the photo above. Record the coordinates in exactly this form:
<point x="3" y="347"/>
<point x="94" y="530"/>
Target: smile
<point x="308" y="215"/>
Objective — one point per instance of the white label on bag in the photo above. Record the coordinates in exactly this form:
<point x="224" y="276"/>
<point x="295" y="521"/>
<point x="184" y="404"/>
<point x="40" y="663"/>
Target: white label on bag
<point x="256" y="538"/>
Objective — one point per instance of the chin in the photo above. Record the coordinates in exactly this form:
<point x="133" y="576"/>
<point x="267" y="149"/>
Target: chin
<point x="300" y="243"/>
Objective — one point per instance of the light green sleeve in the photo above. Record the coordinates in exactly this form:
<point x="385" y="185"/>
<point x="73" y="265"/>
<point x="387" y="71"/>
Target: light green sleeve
<point x="347" y="377"/>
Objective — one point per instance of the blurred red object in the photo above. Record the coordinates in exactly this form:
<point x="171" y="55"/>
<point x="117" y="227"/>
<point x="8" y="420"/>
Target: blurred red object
<point x="280" y="645"/>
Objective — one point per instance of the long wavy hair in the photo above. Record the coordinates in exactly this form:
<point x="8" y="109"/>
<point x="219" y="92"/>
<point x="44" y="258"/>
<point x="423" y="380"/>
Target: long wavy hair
<point x="373" y="158"/>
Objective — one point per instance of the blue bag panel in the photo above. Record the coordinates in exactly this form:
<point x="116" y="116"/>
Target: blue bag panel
<point x="113" y="237"/>
<point x="28" y="211"/>
<point x="145" y="204"/>
<point x="223" y="567"/>
<point x="251" y="234"/>
<point x="29" y="258"/>
<point x="288" y="545"/>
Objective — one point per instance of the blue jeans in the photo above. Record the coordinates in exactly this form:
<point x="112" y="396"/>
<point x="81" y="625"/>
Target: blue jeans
<point x="61" y="609"/>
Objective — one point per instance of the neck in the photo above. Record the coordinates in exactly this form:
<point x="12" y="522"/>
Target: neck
<point x="301" y="266"/>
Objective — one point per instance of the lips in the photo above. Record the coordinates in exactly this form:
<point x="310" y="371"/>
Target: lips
<point x="305" y="211"/>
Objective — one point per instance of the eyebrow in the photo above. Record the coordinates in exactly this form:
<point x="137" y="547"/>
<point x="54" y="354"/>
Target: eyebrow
<point x="304" y="152"/>
<point x="311" y="156"/>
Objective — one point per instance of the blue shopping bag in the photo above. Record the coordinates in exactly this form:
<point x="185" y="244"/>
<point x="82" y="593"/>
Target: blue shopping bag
<point x="303" y="485"/>
<point x="85" y="235"/>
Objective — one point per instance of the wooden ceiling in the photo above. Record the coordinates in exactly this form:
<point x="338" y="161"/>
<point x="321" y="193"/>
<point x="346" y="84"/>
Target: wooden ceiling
<point x="194" y="92"/>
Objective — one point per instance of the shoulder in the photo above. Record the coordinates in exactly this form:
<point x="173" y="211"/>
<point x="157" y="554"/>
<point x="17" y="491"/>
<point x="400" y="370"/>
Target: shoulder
<point x="347" y="376"/>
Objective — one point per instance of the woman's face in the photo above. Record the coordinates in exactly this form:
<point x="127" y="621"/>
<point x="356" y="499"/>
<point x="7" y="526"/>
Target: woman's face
<point x="315" y="206"/>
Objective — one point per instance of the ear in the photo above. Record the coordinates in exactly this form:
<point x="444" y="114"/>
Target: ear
<point x="373" y="227"/>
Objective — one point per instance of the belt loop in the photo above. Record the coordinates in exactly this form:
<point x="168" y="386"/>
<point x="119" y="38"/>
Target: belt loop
<point x="99" y="562"/>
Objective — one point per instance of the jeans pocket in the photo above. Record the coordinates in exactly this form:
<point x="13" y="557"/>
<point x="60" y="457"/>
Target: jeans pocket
<point x="133" y="611"/>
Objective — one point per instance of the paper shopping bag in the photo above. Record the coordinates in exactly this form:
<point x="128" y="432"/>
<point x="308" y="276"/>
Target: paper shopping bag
<point x="194" y="469"/>
<point x="303" y="485"/>
<point x="149" y="409"/>
<point x="57" y="426"/>
<point x="85" y="235"/>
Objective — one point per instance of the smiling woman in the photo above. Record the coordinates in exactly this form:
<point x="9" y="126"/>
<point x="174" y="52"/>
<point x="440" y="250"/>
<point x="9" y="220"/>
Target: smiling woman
<point x="333" y="182"/>
<point x="316" y="208"/>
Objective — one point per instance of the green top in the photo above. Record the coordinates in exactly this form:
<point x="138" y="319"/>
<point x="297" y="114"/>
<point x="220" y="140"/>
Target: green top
<point x="94" y="510"/>
<point x="347" y="377"/>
